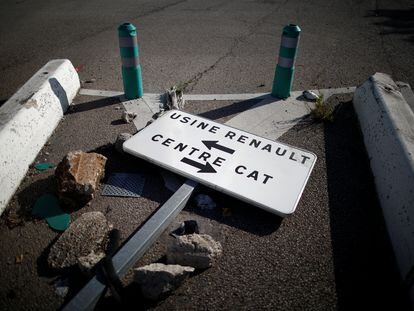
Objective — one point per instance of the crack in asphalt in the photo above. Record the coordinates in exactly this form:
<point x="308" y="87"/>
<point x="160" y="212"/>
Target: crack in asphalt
<point x="190" y="84"/>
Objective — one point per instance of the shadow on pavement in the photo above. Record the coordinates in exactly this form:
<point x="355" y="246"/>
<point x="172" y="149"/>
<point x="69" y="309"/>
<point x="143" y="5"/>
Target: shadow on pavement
<point x="398" y="22"/>
<point x="236" y="213"/>
<point x="28" y="195"/>
<point x="365" y="270"/>
<point x="95" y="104"/>
<point x="223" y="112"/>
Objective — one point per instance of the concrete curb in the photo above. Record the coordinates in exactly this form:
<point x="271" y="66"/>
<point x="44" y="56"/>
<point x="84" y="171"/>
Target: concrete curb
<point x="29" y="117"/>
<point x="387" y="124"/>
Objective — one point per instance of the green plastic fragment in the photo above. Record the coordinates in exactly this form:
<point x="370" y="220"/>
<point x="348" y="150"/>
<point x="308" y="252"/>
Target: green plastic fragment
<point x="47" y="207"/>
<point x="43" y="166"/>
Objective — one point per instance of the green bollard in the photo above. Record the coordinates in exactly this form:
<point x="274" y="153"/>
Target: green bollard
<point x="131" y="67"/>
<point x="285" y="69"/>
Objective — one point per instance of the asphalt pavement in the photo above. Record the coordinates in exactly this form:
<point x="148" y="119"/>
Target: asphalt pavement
<point x="333" y="253"/>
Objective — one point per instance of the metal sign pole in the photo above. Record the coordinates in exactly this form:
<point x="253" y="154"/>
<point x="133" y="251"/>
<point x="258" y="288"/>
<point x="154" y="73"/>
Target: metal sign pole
<point x="136" y="246"/>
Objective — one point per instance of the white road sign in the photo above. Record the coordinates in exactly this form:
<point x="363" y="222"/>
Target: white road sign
<point x="265" y="173"/>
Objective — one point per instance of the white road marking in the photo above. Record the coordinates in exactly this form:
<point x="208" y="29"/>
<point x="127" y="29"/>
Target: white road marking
<point x="100" y="93"/>
<point x="271" y="117"/>
<point x="242" y="96"/>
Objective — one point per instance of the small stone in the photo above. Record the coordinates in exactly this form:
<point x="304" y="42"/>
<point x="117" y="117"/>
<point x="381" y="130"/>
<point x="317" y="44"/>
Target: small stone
<point x="157" y="280"/>
<point x="87" y="263"/>
<point x="186" y="227"/>
<point x="128" y="117"/>
<point x="195" y="250"/>
<point x="88" y="234"/>
<point x="62" y="287"/>
<point x="78" y="175"/>
<point x="19" y="259"/>
<point x="117" y="108"/>
<point x="123" y="137"/>
<point x="203" y="201"/>
<point x="310" y="95"/>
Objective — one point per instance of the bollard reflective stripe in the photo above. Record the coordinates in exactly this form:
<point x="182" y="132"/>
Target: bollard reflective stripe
<point x="126" y="42"/>
<point x="130" y="62"/>
<point x="285" y="68"/>
<point x="289" y="42"/>
<point x="131" y="67"/>
<point x="285" y="62"/>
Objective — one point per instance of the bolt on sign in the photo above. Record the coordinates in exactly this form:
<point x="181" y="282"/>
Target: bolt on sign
<point x="262" y="172"/>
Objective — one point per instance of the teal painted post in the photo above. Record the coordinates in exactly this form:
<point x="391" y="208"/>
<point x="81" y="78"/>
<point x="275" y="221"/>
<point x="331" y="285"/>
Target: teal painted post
<point x="285" y="68"/>
<point x="131" y="67"/>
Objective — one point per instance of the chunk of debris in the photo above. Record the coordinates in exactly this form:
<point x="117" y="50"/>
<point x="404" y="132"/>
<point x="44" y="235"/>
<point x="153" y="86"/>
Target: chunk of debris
<point x="175" y="98"/>
<point x="61" y="287"/>
<point x="123" y="137"/>
<point x="187" y="227"/>
<point x="78" y="176"/>
<point x="43" y="166"/>
<point x="128" y="117"/>
<point x="203" y="201"/>
<point x="88" y="262"/>
<point x="195" y="250"/>
<point x="19" y="259"/>
<point x="310" y="95"/>
<point x="85" y="235"/>
<point x="157" y="280"/>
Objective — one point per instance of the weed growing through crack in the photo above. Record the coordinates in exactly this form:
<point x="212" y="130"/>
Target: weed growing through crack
<point x="322" y="112"/>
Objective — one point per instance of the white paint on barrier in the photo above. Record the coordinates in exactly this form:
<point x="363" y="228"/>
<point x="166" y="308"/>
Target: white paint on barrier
<point x="260" y="171"/>
<point x="387" y="124"/>
<point x="29" y="117"/>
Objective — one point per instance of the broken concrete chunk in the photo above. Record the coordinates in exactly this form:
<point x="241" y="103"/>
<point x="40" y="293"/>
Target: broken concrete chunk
<point x="88" y="234"/>
<point x="158" y="280"/>
<point x="87" y="263"/>
<point x="78" y="175"/>
<point x="203" y="201"/>
<point x="128" y="117"/>
<point x="62" y="287"/>
<point x="195" y="250"/>
<point x="175" y="98"/>
<point x="187" y="227"/>
<point x="310" y="95"/>
<point x="123" y="137"/>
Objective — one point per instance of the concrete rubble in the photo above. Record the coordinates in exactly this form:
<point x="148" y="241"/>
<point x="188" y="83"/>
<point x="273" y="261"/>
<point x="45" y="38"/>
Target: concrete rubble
<point x="310" y="95"/>
<point x="123" y="137"/>
<point x="195" y="250"/>
<point x="158" y="280"/>
<point x="61" y="287"/>
<point x="88" y="262"/>
<point x="175" y="98"/>
<point x="78" y="176"/>
<point x="86" y="235"/>
<point x="128" y="117"/>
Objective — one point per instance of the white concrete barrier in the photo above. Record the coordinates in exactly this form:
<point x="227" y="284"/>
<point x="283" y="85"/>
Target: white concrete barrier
<point x="387" y="124"/>
<point x="29" y="117"/>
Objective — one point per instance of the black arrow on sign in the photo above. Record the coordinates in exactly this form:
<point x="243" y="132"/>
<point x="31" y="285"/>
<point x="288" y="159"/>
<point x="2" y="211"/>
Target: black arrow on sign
<point x="204" y="168"/>
<point x="214" y="144"/>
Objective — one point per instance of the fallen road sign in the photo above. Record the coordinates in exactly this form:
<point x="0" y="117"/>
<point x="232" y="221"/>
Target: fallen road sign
<point x="265" y="173"/>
